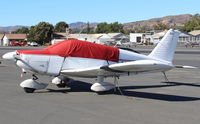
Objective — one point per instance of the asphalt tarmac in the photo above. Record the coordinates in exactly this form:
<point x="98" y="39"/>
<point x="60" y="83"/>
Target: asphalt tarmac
<point x="146" y="99"/>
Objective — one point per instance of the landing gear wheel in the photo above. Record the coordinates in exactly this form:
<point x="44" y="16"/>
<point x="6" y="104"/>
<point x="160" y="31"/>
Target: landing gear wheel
<point x="61" y="85"/>
<point x="29" y="90"/>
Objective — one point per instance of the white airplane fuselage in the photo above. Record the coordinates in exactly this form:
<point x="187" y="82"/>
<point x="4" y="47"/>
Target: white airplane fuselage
<point x="53" y="64"/>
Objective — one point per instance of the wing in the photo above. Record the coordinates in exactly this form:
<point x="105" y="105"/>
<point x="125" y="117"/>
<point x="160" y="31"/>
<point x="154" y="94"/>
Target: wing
<point x="119" y="68"/>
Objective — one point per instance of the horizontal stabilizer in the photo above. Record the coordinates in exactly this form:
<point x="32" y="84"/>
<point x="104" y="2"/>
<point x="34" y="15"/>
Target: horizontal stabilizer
<point x="186" y="67"/>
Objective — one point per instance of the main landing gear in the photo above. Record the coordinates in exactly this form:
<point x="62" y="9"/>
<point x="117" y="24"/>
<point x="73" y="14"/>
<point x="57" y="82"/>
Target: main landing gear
<point x="30" y="85"/>
<point x="61" y="81"/>
<point x="103" y="87"/>
<point x="165" y="76"/>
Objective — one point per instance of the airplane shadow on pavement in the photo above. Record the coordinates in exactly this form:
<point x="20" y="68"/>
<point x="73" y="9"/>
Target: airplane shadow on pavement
<point x="79" y="86"/>
<point x="75" y="86"/>
<point x="158" y="96"/>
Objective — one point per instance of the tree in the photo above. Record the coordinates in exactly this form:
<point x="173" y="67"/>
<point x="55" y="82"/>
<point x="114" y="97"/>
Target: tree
<point x="102" y="28"/>
<point x="193" y="24"/>
<point x="23" y="30"/>
<point x="116" y="27"/>
<point x="4" y="32"/>
<point x="41" y="33"/>
<point x="88" y="27"/>
<point x="31" y="35"/>
<point x="109" y="28"/>
<point x="61" y="27"/>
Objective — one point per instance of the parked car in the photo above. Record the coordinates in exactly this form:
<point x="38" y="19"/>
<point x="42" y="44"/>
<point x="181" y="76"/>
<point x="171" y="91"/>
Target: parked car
<point x="15" y="43"/>
<point x="32" y="44"/>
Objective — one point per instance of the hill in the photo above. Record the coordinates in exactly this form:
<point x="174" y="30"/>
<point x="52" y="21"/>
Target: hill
<point x="11" y="28"/>
<point x="73" y="26"/>
<point x="173" y="21"/>
<point x="78" y="26"/>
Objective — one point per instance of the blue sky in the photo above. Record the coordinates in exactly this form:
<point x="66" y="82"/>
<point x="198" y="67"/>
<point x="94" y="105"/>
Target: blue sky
<point x="31" y="12"/>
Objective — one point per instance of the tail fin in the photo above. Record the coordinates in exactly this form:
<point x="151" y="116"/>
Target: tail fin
<point x="166" y="47"/>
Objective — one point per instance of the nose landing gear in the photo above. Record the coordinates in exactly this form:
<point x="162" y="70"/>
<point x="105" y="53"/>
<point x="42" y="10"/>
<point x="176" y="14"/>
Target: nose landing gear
<point x="30" y="85"/>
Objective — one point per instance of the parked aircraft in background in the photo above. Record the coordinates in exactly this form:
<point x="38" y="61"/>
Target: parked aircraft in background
<point x="192" y="44"/>
<point x="75" y="58"/>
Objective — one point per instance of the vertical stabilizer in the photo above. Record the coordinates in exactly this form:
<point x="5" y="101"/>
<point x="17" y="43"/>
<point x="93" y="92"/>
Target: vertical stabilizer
<point x="166" y="47"/>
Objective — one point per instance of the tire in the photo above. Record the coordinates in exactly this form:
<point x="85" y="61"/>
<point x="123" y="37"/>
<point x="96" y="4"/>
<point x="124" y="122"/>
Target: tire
<point x="29" y="90"/>
<point x="61" y="85"/>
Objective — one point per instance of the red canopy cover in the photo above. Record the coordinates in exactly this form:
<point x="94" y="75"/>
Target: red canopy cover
<point x="78" y="48"/>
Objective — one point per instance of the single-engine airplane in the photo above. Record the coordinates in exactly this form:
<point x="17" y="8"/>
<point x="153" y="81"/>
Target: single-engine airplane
<point x="75" y="58"/>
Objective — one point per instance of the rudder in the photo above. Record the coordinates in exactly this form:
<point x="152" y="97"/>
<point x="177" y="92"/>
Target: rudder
<point x="166" y="47"/>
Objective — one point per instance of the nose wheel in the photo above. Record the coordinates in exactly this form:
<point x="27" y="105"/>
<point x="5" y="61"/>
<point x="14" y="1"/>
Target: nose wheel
<point x="31" y="90"/>
<point x="30" y="85"/>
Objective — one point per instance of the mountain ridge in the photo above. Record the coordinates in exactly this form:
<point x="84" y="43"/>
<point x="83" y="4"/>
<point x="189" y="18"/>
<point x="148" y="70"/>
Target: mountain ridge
<point x="171" y="20"/>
